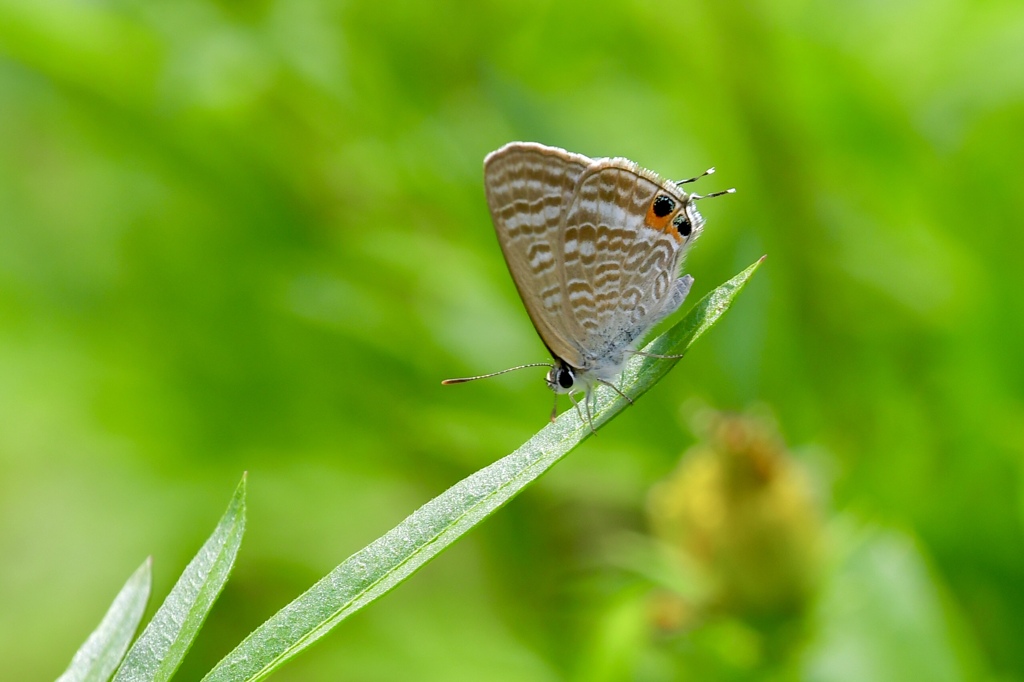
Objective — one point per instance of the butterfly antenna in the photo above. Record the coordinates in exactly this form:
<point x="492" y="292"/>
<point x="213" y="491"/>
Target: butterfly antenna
<point x="448" y="382"/>
<point x="709" y="171"/>
<point x="696" y="197"/>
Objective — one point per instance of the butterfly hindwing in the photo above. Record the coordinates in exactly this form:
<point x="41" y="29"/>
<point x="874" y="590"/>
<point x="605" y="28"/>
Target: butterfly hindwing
<point x="620" y="259"/>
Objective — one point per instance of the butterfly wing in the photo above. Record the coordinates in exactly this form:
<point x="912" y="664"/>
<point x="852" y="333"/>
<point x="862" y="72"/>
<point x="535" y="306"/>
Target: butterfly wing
<point x="621" y="256"/>
<point x="529" y="187"/>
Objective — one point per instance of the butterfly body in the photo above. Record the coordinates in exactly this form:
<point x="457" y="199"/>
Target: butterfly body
<point x="594" y="247"/>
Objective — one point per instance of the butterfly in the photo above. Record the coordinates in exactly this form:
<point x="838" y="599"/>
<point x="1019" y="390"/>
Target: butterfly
<point x="594" y="247"/>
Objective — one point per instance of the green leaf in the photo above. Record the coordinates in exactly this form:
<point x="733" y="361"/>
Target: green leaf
<point x="101" y="653"/>
<point x="903" y="626"/>
<point x="374" y="570"/>
<point x="163" y="644"/>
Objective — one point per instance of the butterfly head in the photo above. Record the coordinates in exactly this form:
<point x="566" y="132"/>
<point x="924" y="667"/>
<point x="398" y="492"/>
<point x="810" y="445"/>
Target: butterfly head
<point x="561" y="378"/>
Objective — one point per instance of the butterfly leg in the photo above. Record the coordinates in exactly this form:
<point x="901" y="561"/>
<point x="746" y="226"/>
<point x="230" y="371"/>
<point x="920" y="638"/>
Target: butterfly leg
<point x="580" y="413"/>
<point x="616" y="389"/>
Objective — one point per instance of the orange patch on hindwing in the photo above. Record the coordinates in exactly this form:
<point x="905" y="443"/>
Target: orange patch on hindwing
<point x="660" y="213"/>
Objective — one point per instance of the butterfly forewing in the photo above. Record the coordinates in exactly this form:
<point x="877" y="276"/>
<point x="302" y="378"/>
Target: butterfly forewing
<point x="529" y="186"/>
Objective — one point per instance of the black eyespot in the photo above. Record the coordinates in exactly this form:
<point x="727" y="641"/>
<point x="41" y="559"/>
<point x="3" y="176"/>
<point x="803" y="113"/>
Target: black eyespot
<point x="663" y="205"/>
<point x="682" y="223"/>
<point x="565" y="379"/>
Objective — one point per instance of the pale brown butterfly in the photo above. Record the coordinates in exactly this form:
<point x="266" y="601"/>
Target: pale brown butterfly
<point x="594" y="247"/>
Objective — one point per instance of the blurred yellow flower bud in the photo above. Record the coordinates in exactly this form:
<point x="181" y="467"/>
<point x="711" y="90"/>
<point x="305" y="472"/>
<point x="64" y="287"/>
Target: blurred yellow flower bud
<point x="744" y="513"/>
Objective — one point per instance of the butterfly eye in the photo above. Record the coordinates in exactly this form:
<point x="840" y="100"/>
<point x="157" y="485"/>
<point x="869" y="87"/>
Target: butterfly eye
<point x="565" y="378"/>
<point x="682" y="223"/>
<point x="663" y="205"/>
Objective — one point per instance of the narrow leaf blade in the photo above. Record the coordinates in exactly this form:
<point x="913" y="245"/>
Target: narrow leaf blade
<point x="377" y="568"/>
<point x="163" y="644"/>
<point x="102" y="651"/>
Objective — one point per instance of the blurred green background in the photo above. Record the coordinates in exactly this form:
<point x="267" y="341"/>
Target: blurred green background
<point x="253" y="236"/>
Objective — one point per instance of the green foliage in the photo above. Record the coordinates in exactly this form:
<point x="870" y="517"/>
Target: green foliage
<point x="159" y="650"/>
<point x="382" y="565"/>
<point x="99" y="657"/>
<point x="369" y="573"/>
<point x="253" y="236"/>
